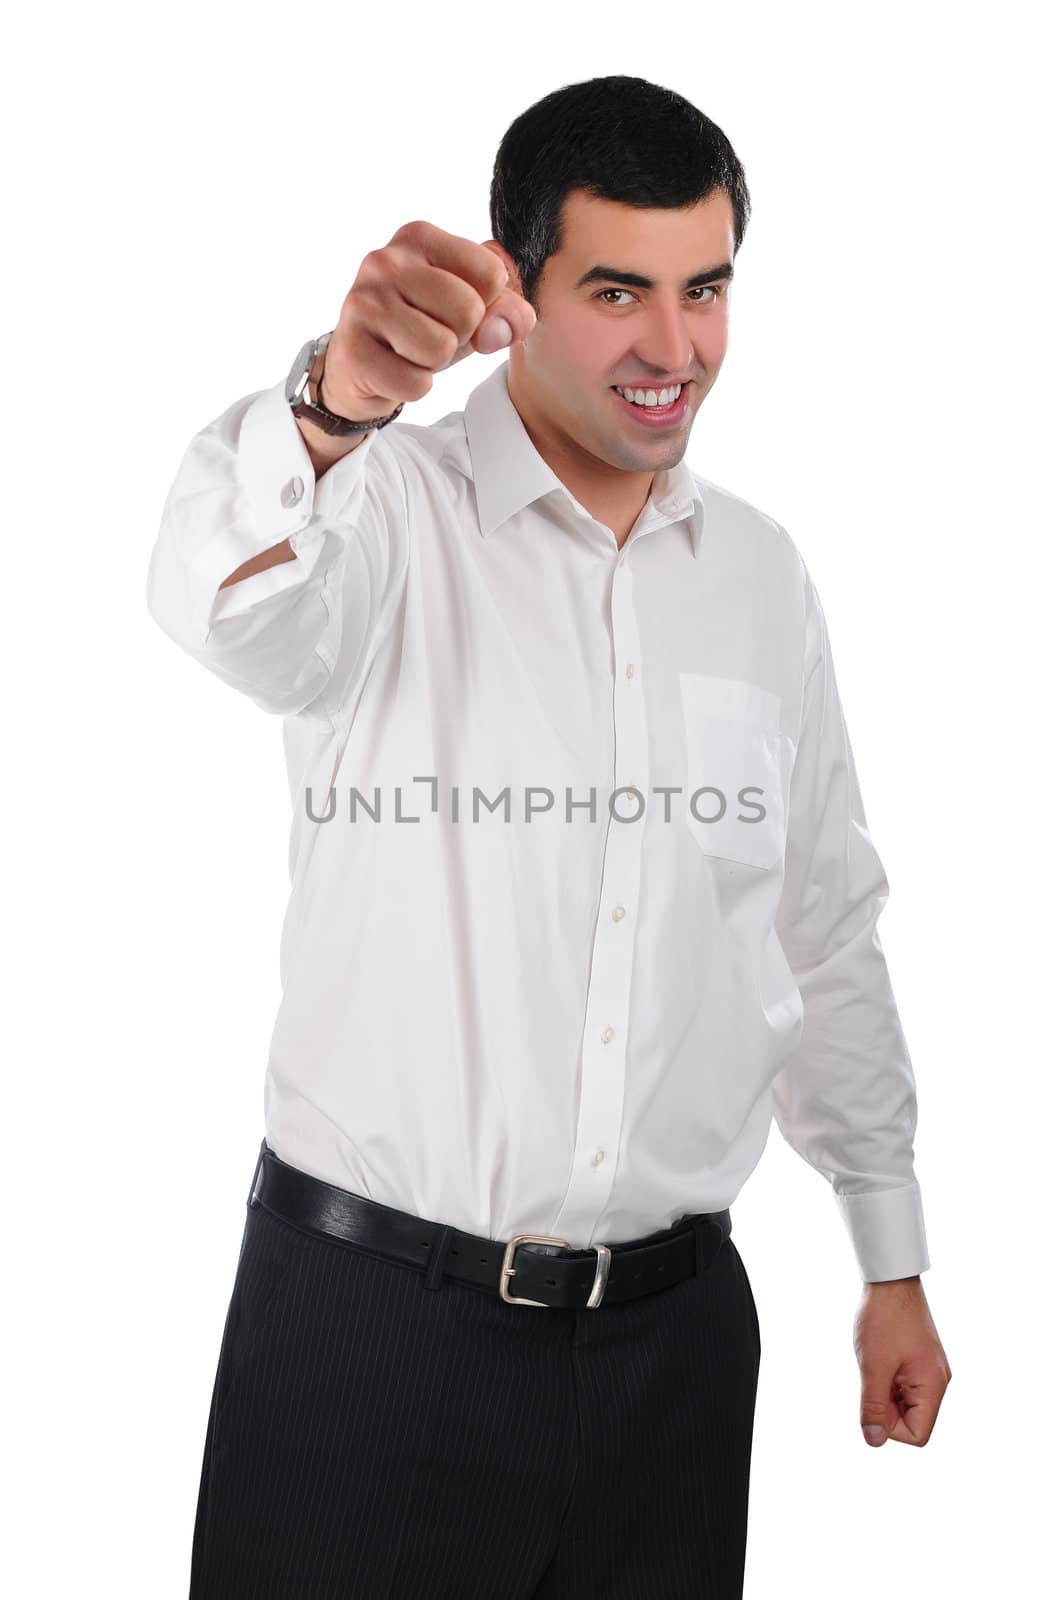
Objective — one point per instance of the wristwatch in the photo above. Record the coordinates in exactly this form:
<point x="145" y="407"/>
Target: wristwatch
<point x="303" y="392"/>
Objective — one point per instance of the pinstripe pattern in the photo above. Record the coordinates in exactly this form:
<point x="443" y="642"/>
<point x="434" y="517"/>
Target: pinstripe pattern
<point x="367" y="1438"/>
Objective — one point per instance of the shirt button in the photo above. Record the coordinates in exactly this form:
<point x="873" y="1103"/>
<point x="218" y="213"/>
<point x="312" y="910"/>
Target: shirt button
<point x="618" y="913"/>
<point x="607" y="1034"/>
<point x="598" y="1158"/>
<point x="292" y="492"/>
<point x="630" y="669"/>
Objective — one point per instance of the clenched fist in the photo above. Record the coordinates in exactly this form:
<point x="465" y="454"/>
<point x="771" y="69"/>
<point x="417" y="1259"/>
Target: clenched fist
<point x="423" y="302"/>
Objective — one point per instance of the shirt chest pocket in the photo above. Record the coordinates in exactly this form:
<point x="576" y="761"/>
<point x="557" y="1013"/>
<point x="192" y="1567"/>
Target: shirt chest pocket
<point x="738" y="767"/>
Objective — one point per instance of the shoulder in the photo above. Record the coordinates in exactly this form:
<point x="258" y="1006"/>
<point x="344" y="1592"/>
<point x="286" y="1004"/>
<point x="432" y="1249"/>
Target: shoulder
<point x="440" y="444"/>
<point x="733" y="520"/>
<point x="429" y="460"/>
<point x="730" y="512"/>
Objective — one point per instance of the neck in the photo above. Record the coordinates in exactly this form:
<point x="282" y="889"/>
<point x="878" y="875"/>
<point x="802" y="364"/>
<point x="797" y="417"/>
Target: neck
<point x="609" y="494"/>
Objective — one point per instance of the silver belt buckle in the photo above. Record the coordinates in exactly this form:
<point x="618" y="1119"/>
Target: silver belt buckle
<point x="508" y="1269"/>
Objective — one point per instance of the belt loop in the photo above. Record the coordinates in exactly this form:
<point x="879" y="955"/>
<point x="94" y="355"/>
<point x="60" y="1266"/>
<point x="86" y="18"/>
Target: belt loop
<point x="434" y="1270"/>
<point x="258" y="1167"/>
<point x="700" y="1226"/>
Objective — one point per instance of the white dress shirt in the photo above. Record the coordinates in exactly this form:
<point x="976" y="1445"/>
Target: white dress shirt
<point x="548" y="1022"/>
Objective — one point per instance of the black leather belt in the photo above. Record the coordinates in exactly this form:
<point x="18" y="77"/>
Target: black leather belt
<point x="531" y="1269"/>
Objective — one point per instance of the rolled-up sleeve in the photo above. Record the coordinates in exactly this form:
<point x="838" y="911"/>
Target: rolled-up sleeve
<point x="244" y="484"/>
<point x="846" y="1100"/>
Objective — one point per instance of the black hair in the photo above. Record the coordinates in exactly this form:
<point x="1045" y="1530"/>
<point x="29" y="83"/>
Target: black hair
<point x="620" y="138"/>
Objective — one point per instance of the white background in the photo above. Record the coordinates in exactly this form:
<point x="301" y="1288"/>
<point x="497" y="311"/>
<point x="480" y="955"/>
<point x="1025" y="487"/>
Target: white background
<point x="192" y="190"/>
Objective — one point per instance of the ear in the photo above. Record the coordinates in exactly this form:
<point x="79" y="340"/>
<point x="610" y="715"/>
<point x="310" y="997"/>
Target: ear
<point x="506" y="259"/>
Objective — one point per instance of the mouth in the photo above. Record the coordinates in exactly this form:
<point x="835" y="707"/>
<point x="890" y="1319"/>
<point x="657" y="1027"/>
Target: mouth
<point x="656" y="416"/>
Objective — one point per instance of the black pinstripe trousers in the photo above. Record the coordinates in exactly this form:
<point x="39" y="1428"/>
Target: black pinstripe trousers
<point x="367" y="1438"/>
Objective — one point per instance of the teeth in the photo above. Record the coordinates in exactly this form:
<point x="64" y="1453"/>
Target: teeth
<point x="652" y="397"/>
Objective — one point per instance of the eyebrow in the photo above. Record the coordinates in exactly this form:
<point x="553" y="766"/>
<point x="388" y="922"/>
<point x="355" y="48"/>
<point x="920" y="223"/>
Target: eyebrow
<point x="636" y="280"/>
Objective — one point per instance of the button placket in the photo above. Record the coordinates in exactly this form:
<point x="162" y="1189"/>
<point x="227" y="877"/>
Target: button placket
<point x="604" y="1054"/>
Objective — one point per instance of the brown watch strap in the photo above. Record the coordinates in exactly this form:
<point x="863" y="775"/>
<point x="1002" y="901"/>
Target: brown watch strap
<point x="315" y="411"/>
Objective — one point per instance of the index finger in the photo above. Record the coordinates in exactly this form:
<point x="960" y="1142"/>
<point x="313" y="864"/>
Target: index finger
<point x="472" y="262"/>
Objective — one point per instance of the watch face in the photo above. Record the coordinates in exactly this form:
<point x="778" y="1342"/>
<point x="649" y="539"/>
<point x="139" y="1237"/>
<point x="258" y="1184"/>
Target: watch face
<point x="295" y="383"/>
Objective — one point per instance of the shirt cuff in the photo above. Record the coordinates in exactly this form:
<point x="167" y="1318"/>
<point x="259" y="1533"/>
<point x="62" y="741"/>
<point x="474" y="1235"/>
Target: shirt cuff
<point x="283" y="499"/>
<point x="887" y="1231"/>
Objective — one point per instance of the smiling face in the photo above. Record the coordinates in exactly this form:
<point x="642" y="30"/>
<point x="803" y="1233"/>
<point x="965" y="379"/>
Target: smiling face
<point x="636" y="298"/>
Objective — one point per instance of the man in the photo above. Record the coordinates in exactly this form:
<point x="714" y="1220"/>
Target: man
<point x="582" y="896"/>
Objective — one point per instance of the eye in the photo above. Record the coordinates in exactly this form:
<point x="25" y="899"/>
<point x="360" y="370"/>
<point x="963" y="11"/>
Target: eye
<point x="712" y="288"/>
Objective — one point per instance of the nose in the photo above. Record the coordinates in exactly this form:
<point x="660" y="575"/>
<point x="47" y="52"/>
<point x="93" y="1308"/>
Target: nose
<point x="665" y="345"/>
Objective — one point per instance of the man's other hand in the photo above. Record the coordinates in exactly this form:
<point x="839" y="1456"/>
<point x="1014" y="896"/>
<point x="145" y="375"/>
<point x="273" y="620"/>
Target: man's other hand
<point x="903" y="1369"/>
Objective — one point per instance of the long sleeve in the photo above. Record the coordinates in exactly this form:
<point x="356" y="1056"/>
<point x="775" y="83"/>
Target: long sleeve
<point x="246" y="482"/>
<point x="846" y="1101"/>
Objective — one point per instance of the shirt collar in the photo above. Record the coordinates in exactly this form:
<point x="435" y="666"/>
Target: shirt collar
<point x="509" y="473"/>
